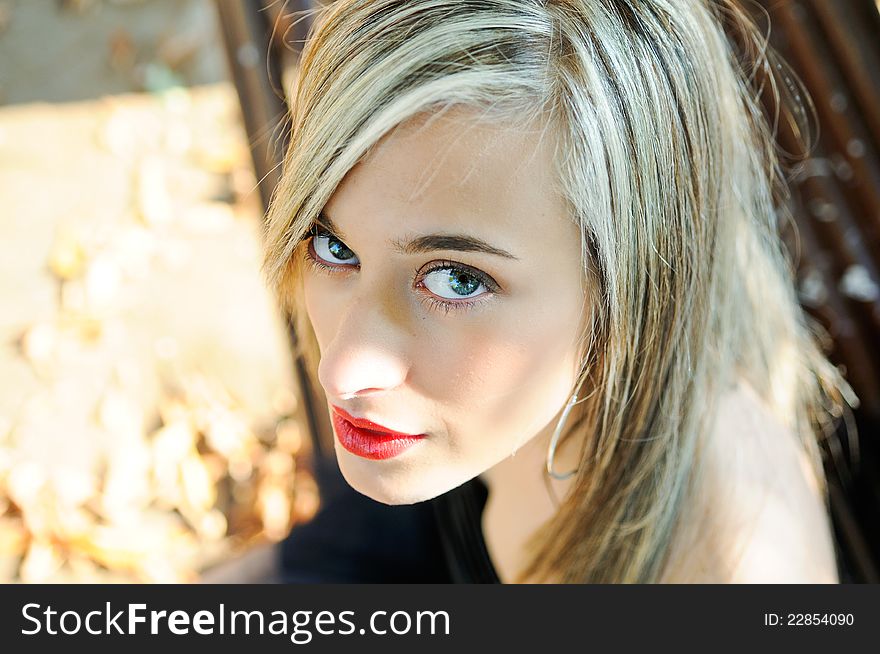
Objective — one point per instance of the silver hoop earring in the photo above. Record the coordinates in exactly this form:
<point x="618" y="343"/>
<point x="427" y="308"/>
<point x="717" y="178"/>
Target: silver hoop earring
<point x="551" y="451"/>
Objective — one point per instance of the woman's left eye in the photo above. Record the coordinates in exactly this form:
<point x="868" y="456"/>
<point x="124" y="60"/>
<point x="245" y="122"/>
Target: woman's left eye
<point x="450" y="285"/>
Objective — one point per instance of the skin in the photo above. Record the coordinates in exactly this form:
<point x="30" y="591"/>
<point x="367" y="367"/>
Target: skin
<point x="488" y="382"/>
<point x="760" y="516"/>
<point x="481" y="381"/>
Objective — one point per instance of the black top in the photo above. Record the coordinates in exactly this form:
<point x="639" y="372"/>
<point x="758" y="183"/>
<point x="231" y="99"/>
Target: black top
<point x="459" y="516"/>
<point x="354" y="539"/>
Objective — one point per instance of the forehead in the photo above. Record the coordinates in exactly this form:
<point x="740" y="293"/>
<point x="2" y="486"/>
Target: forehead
<point x="456" y="169"/>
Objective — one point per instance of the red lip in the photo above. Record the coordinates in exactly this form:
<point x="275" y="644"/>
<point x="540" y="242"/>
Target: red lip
<point x="369" y="425"/>
<point x="369" y="440"/>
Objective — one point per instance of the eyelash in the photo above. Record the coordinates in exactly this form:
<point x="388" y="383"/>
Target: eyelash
<point x="431" y="301"/>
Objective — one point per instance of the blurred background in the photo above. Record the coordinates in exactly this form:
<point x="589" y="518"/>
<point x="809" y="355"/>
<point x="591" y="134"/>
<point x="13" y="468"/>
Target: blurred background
<point x="154" y="426"/>
<point x="148" y="408"/>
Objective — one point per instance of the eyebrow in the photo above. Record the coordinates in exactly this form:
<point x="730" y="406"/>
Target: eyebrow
<point x="429" y="242"/>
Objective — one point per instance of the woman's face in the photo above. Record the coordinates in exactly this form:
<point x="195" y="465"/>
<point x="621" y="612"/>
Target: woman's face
<point x="424" y="332"/>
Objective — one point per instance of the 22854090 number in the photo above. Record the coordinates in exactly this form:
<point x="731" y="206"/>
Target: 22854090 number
<point x="808" y="619"/>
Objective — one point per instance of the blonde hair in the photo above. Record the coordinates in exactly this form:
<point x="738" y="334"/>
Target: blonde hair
<point x="669" y="169"/>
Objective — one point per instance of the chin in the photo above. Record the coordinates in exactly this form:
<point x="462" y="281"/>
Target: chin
<point x="390" y="484"/>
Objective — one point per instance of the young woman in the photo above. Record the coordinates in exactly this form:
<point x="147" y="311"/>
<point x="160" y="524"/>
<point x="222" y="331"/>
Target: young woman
<point x="532" y="245"/>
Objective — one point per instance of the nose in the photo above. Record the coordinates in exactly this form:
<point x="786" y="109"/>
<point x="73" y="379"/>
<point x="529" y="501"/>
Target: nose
<point x="367" y="354"/>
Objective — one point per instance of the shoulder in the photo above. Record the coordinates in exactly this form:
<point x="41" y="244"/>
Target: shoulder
<point x="760" y="516"/>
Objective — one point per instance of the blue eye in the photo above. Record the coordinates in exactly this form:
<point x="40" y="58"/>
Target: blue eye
<point x="440" y="281"/>
<point x="331" y="249"/>
<point x="450" y="286"/>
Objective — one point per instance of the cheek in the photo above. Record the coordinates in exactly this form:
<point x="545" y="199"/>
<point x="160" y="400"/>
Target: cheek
<point x="322" y="306"/>
<point x="503" y="380"/>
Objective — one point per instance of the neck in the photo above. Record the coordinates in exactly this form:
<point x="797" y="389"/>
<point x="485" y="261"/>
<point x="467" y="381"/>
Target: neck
<point x="520" y="501"/>
<point x="527" y="466"/>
